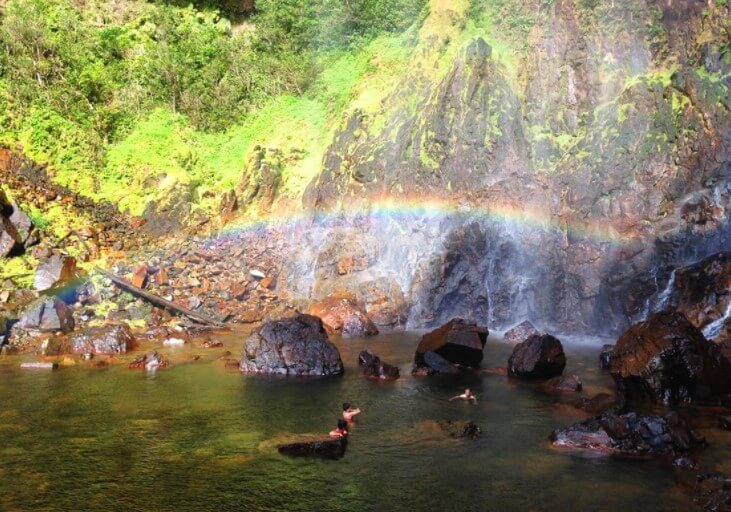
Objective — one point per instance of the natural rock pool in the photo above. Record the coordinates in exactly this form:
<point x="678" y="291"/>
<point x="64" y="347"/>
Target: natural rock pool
<point x="199" y="436"/>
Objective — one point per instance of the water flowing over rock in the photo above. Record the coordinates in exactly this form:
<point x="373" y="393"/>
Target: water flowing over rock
<point x="702" y="292"/>
<point x="108" y="339"/>
<point x="521" y="331"/>
<point x="55" y="271"/>
<point x="540" y="356"/>
<point x="375" y="368"/>
<point x="343" y="315"/>
<point x="667" y="359"/>
<point x="457" y="342"/>
<point x="629" y="434"/>
<point x="47" y="314"/>
<point x="292" y="346"/>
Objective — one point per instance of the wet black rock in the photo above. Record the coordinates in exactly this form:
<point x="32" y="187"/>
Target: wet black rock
<point x="521" y="331"/>
<point x="375" y="368"/>
<point x="541" y="356"/>
<point x="667" y="359"/>
<point x="726" y="422"/>
<point x="47" y="314"/>
<point x="605" y="357"/>
<point x="461" y="429"/>
<point x="333" y="448"/>
<point x="458" y="342"/>
<point x="108" y="339"/>
<point x="292" y="346"/>
<point x="630" y="434"/>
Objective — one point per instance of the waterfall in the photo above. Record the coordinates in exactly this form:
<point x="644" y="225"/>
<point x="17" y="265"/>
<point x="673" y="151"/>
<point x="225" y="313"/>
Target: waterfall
<point x="664" y="297"/>
<point x="713" y="329"/>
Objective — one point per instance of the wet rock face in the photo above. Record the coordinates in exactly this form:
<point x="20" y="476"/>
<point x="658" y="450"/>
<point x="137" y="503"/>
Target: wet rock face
<point x="457" y="342"/>
<point x="322" y="448"/>
<point x="521" y="331"/>
<point x="108" y="339"/>
<point x="343" y="316"/>
<point x="47" y="314"/>
<point x="55" y="271"/>
<point x="169" y="214"/>
<point x="292" y="346"/>
<point x="702" y="292"/>
<point x="667" y="359"/>
<point x="541" y="356"/>
<point x="375" y="368"/>
<point x="629" y="434"/>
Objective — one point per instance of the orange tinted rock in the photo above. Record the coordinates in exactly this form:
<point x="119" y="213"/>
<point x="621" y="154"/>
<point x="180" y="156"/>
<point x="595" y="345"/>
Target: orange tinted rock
<point x="344" y="315"/>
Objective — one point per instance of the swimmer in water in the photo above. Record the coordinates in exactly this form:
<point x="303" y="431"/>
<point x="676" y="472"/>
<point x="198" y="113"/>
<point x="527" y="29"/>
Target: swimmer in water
<point x="341" y="431"/>
<point x="467" y="395"/>
<point x="349" y="412"/>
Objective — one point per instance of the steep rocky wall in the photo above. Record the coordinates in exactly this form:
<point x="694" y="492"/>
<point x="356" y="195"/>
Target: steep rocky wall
<point x="607" y="139"/>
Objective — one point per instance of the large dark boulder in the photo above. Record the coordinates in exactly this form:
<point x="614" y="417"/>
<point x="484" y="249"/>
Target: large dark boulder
<point x="375" y="368"/>
<point x="521" y="331"/>
<point x="54" y="272"/>
<point x="458" y="342"/>
<point x="107" y="339"/>
<point x="540" y="356"/>
<point x="667" y="359"/>
<point x="629" y="434"/>
<point x="333" y="448"/>
<point x="47" y="314"/>
<point x="344" y="315"/>
<point x="292" y="346"/>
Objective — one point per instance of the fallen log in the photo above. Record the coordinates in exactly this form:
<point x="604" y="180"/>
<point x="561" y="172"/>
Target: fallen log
<point x="159" y="301"/>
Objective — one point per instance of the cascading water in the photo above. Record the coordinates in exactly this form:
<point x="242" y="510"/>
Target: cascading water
<point x="664" y="297"/>
<point x="714" y="328"/>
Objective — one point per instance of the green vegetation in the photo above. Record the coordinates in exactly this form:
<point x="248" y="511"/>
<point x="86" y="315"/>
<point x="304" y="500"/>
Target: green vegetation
<point x="125" y="100"/>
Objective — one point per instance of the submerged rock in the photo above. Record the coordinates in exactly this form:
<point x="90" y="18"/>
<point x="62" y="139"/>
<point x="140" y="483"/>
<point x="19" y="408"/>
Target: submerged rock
<point x="375" y="368"/>
<point x="47" y="314"/>
<point x="458" y="342"/>
<point x="629" y="434"/>
<point x="343" y="315"/>
<point x="107" y="339"/>
<point x="667" y="359"/>
<point x="541" y="356"/>
<point x="605" y="357"/>
<point x="565" y="383"/>
<point x="291" y="346"/>
<point x="596" y="404"/>
<point x="460" y="429"/>
<point x="521" y="331"/>
<point x="332" y="448"/>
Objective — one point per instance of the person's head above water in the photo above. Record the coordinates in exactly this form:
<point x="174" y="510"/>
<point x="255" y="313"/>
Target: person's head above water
<point x="346" y="406"/>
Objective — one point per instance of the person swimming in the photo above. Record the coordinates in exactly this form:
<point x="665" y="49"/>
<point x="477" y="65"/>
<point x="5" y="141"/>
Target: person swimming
<point x="467" y="395"/>
<point x="341" y="430"/>
<point x="349" y="412"/>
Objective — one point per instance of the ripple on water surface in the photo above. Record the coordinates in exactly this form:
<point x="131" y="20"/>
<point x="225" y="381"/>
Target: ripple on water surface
<point x="198" y="437"/>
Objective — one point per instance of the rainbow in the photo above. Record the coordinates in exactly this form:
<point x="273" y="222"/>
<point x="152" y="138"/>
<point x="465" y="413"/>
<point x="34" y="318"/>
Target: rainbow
<point x="387" y="208"/>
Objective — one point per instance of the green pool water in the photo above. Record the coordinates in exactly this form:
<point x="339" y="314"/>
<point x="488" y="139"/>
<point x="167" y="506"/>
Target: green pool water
<point x="198" y="436"/>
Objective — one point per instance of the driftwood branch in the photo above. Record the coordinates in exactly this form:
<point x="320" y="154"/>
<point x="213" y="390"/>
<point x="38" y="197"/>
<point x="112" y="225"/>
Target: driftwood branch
<point x="159" y="301"/>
